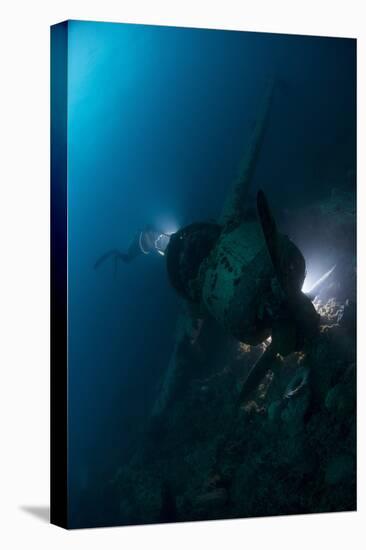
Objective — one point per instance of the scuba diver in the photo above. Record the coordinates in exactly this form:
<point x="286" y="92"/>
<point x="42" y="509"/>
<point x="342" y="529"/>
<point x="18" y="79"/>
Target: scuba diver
<point x="146" y="241"/>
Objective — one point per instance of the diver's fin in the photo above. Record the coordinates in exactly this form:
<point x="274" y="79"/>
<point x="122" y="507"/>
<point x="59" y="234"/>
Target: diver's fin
<point x="236" y="201"/>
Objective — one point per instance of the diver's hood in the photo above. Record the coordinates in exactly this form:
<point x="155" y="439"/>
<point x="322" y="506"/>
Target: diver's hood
<point x="185" y="253"/>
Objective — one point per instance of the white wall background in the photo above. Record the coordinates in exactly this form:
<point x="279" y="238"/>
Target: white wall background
<point x="24" y="272"/>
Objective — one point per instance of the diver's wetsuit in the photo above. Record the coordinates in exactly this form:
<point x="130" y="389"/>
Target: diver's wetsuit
<point x="134" y="249"/>
<point x="143" y="243"/>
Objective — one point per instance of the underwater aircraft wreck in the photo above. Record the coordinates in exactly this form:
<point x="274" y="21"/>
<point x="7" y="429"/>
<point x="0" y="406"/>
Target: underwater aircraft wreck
<point x="243" y="272"/>
<point x="240" y="271"/>
<point x="255" y="410"/>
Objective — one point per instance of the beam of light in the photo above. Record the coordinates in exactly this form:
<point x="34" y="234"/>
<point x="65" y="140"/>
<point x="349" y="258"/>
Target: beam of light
<point x="161" y="243"/>
<point x="309" y="288"/>
<point x="162" y="240"/>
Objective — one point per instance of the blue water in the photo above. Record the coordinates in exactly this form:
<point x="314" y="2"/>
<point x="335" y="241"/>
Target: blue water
<point x="158" y="119"/>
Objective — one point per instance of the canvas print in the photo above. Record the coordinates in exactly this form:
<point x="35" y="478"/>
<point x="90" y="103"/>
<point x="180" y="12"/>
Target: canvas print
<point x="203" y="344"/>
